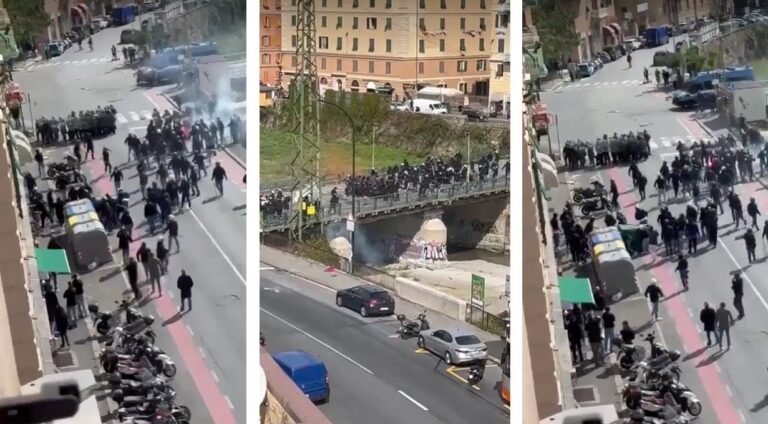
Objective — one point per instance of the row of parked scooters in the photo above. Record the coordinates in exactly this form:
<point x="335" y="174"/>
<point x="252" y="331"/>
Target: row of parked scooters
<point x="137" y="371"/>
<point x="653" y="392"/>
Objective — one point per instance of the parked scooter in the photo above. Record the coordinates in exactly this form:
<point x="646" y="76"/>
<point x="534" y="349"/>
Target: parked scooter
<point x="643" y="373"/>
<point x="596" y="190"/>
<point x="162" y="405"/>
<point x="630" y="355"/>
<point x="476" y="373"/>
<point x="410" y="328"/>
<point x="595" y="205"/>
<point x="104" y="321"/>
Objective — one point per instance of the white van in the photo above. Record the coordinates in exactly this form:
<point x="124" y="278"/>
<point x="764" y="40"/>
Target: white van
<point x="427" y="106"/>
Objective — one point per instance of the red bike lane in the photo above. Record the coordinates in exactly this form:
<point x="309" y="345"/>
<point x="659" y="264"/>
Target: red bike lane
<point x="685" y="326"/>
<point x="215" y="401"/>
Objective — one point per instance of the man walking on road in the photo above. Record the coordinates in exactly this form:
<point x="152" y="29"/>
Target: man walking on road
<point x="77" y="284"/>
<point x="132" y="269"/>
<point x="654" y="294"/>
<point x="155" y="271"/>
<point x="737" y="286"/>
<point x="724" y="321"/>
<point x="661" y="189"/>
<point x="62" y="325"/>
<point x="751" y="243"/>
<point x="173" y="233"/>
<point x="609" y="326"/>
<point x="40" y="159"/>
<point x="218" y="175"/>
<point x="117" y="177"/>
<point x="184" y="283"/>
<point x="753" y="212"/>
<point x="575" y="337"/>
<point x="71" y="297"/>
<point x="595" y="337"/>
<point x="708" y="318"/>
<point x="124" y="244"/>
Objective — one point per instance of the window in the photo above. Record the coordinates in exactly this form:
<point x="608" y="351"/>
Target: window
<point x="338" y="64"/>
<point x="421" y="67"/>
<point x="266" y="22"/>
<point x="463" y="4"/>
<point x="422" y="25"/>
<point x="421" y="46"/>
<point x="442" y="45"/>
<point x="371" y="45"/>
<point x="388" y="4"/>
<point x="373" y="4"/>
<point x="354" y="44"/>
<point x="461" y="66"/>
<point x="354" y="66"/>
<point x="322" y="63"/>
<point x="442" y="4"/>
<point x="265" y="59"/>
<point x="340" y="3"/>
<point x="389" y="45"/>
<point x="293" y="41"/>
<point x="324" y="3"/>
<point x="482" y="4"/>
<point x="371" y="67"/>
<point x="265" y="41"/>
<point x="387" y="68"/>
<point x="500" y="45"/>
<point x="339" y="22"/>
<point x="294" y="61"/>
<point x="482" y="65"/>
<point x="462" y="24"/>
<point x="324" y="21"/>
<point x="323" y="43"/>
<point x="355" y="3"/>
<point x="354" y="22"/>
<point x="388" y="25"/>
<point x="293" y="20"/>
<point x="422" y="5"/>
<point x="293" y="2"/>
<point x="338" y="43"/>
<point x="481" y="47"/>
<point x="441" y="67"/>
<point x="370" y="23"/>
<point x="442" y="23"/>
<point x="482" y="24"/>
<point x="462" y="46"/>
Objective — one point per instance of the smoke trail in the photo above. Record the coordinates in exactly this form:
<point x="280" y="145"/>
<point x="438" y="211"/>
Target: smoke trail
<point x="367" y="249"/>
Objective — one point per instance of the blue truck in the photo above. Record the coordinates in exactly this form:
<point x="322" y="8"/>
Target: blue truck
<point x="123" y="15"/>
<point x="657" y="36"/>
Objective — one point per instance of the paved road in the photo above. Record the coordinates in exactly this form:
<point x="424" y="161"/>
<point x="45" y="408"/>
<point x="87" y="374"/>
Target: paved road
<point x="209" y="343"/>
<point x="372" y="372"/>
<point x="732" y="384"/>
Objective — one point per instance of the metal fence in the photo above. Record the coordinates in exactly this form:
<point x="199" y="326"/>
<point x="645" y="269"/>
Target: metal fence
<point x="487" y="321"/>
<point x="382" y="204"/>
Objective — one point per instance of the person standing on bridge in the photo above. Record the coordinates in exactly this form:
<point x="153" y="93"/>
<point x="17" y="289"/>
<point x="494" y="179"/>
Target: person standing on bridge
<point x="218" y="175"/>
<point x="708" y="318"/>
<point x="737" y="286"/>
<point x="184" y="283"/>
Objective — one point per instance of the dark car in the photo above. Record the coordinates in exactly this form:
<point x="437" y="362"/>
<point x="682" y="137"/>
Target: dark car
<point x="474" y="115"/>
<point x="367" y="299"/>
<point x="660" y="57"/>
<point x="153" y="76"/>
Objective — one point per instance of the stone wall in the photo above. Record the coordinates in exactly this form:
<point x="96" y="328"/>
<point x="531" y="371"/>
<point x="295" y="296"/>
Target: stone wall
<point x="741" y="47"/>
<point x="191" y="26"/>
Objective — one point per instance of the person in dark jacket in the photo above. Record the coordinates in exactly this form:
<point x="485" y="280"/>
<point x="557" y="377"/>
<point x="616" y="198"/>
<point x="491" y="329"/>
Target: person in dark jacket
<point x="595" y="338"/>
<point x="132" y="269"/>
<point x="124" y="244"/>
<point x="654" y="294"/>
<point x="609" y="327"/>
<point x="707" y="318"/>
<point x="70" y="296"/>
<point x="62" y="325"/>
<point x="751" y="243"/>
<point x="51" y="303"/>
<point x="692" y="233"/>
<point x="737" y="286"/>
<point x="627" y="333"/>
<point x="575" y="336"/>
<point x="142" y="256"/>
<point x="150" y="214"/>
<point x="753" y="213"/>
<point x="173" y="233"/>
<point x="184" y="283"/>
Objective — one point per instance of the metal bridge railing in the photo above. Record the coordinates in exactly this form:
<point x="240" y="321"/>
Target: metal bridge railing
<point x="383" y="204"/>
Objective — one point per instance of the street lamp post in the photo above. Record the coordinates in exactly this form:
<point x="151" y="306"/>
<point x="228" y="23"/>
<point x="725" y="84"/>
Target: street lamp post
<point x="354" y="175"/>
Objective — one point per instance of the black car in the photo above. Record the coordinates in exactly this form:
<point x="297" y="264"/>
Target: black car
<point x="368" y="300"/>
<point x="150" y="76"/>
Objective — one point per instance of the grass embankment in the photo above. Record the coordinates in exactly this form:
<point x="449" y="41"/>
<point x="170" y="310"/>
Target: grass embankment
<point x="761" y="69"/>
<point x="277" y="152"/>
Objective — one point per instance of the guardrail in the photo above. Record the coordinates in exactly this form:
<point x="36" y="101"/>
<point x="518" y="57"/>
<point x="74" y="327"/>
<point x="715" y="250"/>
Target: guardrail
<point x="405" y="199"/>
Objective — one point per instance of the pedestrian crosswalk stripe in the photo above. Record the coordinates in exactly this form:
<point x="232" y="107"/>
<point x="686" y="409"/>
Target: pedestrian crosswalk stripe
<point x="615" y="83"/>
<point x="653" y="145"/>
<point x="626" y="82"/>
<point x="666" y="142"/>
<point x="134" y="116"/>
<point x="120" y="118"/>
<point x="146" y="114"/>
<point x="94" y="60"/>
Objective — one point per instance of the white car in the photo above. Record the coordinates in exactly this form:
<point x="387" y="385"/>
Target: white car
<point x="633" y="42"/>
<point x="103" y="23"/>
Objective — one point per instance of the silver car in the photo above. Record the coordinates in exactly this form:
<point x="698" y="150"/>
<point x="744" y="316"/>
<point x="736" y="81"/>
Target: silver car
<point x="456" y="346"/>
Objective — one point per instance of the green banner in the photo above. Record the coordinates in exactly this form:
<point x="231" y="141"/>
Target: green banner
<point x="477" y="296"/>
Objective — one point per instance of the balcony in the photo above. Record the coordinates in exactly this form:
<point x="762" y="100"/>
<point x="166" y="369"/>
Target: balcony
<point x="530" y="36"/>
<point x="501" y="6"/>
<point x="600" y="13"/>
<point x="500" y="57"/>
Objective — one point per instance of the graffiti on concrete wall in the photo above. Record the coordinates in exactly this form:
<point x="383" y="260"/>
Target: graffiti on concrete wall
<point x="432" y="251"/>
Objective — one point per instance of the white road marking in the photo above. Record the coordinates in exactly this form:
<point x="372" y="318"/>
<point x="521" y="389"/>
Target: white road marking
<point x="266" y="268"/>
<point x="615" y="83"/>
<point x="134" y="116"/>
<point x="728" y="389"/>
<point x="741" y="414"/>
<point x="190" y="330"/>
<point x="146" y="114"/>
<point x="717" y="367"/>
<point x="104" y="60"/>
<point x="94" y="60"/>
<point x="577" y="85"/>
<point x="215" y="377"/>
<point x="744" y="275"/>
<point x="393" y="336"/>
<point x="326" y="345"/>
<point x="170" y="293"/>
<point x="626" y="82"/>
<point x="120" y="118"/>
<point x="216" y="245"/>
<point x="229" y="402"/>
<point x="636" y="81"/>
<point x="653" y="144"/>
<point x="201" y="352"/>
<point x="665" y="141"/>
<point x="690" y="312"/>
<point x="405" y="395"/>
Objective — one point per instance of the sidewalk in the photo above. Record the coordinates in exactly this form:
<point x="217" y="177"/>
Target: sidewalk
<point x="238" y="153"/>
<point x="338" y="280"/>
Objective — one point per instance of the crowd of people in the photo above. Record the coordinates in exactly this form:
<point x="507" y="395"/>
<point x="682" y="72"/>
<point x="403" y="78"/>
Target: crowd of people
<point x="618" y="148"/>
<point x="77" y="125"/>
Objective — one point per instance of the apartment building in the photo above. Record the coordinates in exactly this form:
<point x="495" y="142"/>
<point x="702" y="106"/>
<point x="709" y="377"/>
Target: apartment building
<point x="597" y="25"/>
<point x="500" y="83"/>
<point x="68" y="13"/>
<point x="398" y="45"/>
<point x="638" y="15"/>
<point x="270" y="38"/>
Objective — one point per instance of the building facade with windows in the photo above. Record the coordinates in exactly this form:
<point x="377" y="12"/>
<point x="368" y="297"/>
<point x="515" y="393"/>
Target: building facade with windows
<point x="270" y="39"/>
<point x="397" y="45"/>
<point x="499" y="61"/>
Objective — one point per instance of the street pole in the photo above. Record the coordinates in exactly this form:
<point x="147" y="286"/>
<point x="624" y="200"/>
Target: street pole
<point x="469" y="158"/>
<point x="373" y="148"/>
<point x="29" y="104"/>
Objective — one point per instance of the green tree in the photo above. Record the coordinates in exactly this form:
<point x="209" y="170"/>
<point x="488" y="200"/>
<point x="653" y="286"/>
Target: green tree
<point x="555" y="27"/>
<point x="28" y="19"/>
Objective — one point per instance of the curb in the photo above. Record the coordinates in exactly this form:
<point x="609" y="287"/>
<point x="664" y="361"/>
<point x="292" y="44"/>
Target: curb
<point x="235" y="158"/>
<point x="279" y="268"/>
<point x="112" y="406"/>
<point x="704" y="127"/>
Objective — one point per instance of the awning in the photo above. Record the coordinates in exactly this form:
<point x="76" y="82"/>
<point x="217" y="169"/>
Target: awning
<point x="440" y="91"/>
<point x="371" y="86"/>
<point x="79" y="12"/>
<point x="612" y="30"/>
<point x="619" y="34"/>
<point x="84" y="8"/>
<point x="52" y="260"/>
<point x="548" y="170"/>
<point x="497" y="96"/>
<point x="575" y="290"/>
<point x="24" y="152"/>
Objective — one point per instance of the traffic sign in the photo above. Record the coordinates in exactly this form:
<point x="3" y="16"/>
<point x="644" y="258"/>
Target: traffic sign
<point x="350" y="223"/>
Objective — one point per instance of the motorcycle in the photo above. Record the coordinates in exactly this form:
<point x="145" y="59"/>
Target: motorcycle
<point x="629" y="355"/>
<point x="666" y="408"/>
<point x="596" y="205"/>
<point x="139" y="327"/>
<point x="411" y="328"/>
<point x="644" y="374"/>
<point x="581" y="193"/>
<point x="57" y="168"/>
<point x="161" y="405"/>
<point x="639" y="417"/>
<point x="104" y="321"/>
<point x="128" y="401"/>
<point x="476" y="373"/>
<point x="149" y="357"/>
<point x="635" y="394"/>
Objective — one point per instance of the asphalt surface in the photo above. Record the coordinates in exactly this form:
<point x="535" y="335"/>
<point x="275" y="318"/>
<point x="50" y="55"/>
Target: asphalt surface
<point x="372" y="372"/>
<point x="208" y="343"/>
<point x="732" y="383"/>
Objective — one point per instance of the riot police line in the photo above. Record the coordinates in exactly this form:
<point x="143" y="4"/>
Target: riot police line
<point x="624" y="148"/>
<point x="100" y="122"/>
